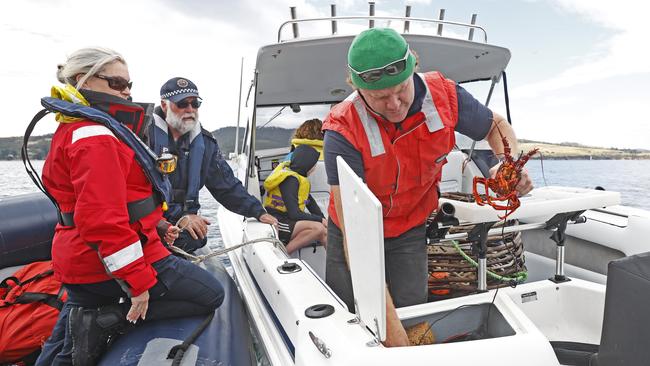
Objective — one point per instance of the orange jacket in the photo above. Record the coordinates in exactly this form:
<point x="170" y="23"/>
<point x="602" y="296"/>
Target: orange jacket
<point x="402" y="167"/>
<point x="93" y="174"/>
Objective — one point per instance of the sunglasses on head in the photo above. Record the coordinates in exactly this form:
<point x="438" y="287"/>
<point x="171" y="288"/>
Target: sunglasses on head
<point x="116" y="82"/>
<point x="375" y="74"/>
<point x="185" y="102"/>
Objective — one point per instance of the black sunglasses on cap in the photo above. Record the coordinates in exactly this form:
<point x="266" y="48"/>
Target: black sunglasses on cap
<point x="116" y="82"/>
<point x="393" y="68"/>
<point x="185" y="102"/>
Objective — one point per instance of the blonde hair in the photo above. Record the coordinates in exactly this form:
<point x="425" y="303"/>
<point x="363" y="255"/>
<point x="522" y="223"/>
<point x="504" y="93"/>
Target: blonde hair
<point x="310" y="129"/>
<point x="88" y="61"/>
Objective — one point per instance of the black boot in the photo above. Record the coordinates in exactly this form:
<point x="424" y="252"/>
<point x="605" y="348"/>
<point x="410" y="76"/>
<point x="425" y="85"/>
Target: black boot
<point x="91" y="331"/>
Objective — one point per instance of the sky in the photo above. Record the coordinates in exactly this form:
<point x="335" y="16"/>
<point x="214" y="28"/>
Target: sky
<point x="579" y="70"/>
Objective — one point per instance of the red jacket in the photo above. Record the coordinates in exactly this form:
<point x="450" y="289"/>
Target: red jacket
<point x="402" y="167"/>
<point x="93" y="174"/>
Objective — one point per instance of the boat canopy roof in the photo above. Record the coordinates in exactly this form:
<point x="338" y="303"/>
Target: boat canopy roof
<point x="308" y="71"/>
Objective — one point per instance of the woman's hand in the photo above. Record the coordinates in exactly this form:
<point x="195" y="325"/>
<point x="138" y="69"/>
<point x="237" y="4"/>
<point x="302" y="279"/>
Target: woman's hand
<point x="172" y="234"/>
<point x="139" y="306"/>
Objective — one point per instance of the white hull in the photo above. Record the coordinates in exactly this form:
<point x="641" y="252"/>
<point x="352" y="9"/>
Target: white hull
<point x="523" y="321"/>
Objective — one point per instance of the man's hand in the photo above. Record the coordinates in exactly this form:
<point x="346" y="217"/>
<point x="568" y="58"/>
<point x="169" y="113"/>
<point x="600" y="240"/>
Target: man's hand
<point x="269" y="219"/>
<point x="324" y="222"/>
<point x="196" y="225"/>
<point x="139" y="306"/>
<point x="524" y="185"/>
<point x="172" y="234"/>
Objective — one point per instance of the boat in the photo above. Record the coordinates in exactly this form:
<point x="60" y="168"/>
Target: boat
<point x="26" y="229"/>
<point x="583" y="299"/>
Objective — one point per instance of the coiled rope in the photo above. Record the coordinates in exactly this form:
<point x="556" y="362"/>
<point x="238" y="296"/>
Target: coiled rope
<point x="518" y="277"/>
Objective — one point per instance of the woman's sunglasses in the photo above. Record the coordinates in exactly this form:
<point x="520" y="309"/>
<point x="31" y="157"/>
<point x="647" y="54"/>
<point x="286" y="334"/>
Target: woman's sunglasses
<point x="185" y="102"/>
<point x="116" y="82"/>
<point x="393" y="68"/>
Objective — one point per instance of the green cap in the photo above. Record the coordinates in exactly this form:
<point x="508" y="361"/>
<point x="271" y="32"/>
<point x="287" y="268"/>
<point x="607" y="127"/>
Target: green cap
<point x="378" y="47"/>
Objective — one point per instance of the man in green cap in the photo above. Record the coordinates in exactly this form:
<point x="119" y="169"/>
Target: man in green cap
<point x="395" y="131"/>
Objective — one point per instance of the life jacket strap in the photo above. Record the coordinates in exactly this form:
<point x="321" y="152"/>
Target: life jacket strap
<point x="137" y="210"/>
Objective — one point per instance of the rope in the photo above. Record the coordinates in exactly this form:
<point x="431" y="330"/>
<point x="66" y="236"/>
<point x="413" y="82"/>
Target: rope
<point x="178" y="352"/>
<point x="519" y="277"/>
<point x="200" y="258"/>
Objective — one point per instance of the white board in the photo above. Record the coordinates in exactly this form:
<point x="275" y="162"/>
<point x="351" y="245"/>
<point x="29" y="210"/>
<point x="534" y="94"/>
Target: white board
<point x="364" y="230"/>
<point x="541" y="202"/>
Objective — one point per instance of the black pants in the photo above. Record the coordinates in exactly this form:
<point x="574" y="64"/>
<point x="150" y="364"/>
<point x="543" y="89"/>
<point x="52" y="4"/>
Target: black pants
<point x="183" y="289"/>
<point x="406" y="267"/>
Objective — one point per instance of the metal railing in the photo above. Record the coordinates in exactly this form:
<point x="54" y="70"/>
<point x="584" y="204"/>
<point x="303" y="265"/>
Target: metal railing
<point x="371" y="18"/>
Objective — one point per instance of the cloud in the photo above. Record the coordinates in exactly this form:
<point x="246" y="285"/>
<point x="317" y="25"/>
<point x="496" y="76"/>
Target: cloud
<point x="617" y="55"/>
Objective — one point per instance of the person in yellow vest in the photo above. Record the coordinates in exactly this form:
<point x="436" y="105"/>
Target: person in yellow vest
<point x="288" y="194"/>
<point x="309" y="133"/>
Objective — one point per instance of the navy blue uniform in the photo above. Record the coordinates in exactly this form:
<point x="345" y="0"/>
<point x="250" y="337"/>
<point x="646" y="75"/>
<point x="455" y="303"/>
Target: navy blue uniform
<point x="200" y="163"/>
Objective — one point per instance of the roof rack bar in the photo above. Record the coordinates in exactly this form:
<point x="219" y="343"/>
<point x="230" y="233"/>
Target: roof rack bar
<point x="371" y="12"/>
<point x="441" y="16"/>
<point x="333" y="13"/>
<point x="407" y="24"/>
<point x="410" y="19"/>
<point x="471" y="30"/>
<point x="294" y="25"/>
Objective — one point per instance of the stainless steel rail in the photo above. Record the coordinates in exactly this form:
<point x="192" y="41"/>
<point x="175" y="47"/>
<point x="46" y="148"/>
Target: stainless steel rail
<point x="295" y="22"/>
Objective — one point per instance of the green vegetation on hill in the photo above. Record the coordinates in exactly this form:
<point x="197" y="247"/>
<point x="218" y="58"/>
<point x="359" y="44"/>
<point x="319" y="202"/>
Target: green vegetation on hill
<point x="273" y="137"/>
<point x="38" y="147"/>
<point x="572" y="150"/>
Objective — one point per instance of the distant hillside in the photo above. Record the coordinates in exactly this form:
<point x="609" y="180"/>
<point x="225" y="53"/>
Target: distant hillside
<point x="267" y="138"/>
<point x="272" y="137"/>
<point x="573" y="150"/>
<point x="38" y="147"/>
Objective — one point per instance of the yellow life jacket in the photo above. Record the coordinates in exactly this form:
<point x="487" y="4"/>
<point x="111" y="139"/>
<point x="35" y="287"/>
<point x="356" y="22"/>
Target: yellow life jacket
<point x="68" y="93"/>
<point x="272" y="186"/>
<point x="316" y="144"/>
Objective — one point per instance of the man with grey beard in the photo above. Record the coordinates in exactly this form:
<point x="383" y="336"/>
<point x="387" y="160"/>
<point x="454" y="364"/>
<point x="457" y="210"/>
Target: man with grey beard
<point x="177" y="130"/>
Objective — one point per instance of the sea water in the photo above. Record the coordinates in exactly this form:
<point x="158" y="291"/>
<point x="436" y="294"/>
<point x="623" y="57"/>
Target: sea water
<point x="629" y="177"/>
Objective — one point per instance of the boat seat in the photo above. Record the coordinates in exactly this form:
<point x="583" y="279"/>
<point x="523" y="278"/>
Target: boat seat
<point x="452" y="172"/>
<point x="626" y="322"/>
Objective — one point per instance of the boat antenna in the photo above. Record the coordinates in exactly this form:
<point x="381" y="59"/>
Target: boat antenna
<point x="371" y="12"/>
<point x="241" y="76"/>
<point x="441" y="16"/>
<point x="407" y="24"/>
<point x="333" y="14"/>
<point x="294" y="25"/>
<point x="507" y="98"/>
<point x="471" y="29"/>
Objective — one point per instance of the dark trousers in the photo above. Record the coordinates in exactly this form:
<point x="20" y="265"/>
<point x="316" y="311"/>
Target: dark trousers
<point x="405" y="266"/>
<point x="183" y="289"/>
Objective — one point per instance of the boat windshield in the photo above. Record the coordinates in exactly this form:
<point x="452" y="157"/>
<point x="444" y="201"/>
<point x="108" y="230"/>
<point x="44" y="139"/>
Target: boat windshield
<point x="276" y="125"/>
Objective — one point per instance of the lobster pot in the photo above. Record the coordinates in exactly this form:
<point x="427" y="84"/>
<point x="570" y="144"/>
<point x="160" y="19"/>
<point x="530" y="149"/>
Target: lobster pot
<point x="450" y="275"/>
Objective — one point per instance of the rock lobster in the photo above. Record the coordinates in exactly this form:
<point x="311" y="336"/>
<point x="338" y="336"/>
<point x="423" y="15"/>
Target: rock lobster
<point x="504" y="182"/>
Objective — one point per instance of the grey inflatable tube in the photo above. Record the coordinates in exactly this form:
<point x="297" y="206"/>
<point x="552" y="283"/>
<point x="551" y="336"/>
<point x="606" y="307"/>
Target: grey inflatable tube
<point x="26" y="229"/>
